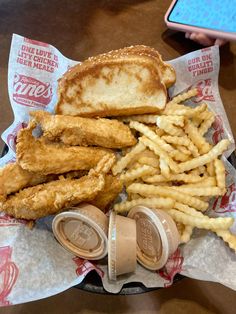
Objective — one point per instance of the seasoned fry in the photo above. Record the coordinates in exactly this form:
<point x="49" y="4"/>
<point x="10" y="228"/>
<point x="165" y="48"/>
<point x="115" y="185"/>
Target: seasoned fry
<point x="183" y="140"/>
<point x="211" y="168"/>
<point x="217" y="150"/>
<point x="165" y="170"/>
<point x="220" y="173"/>
<point x="144" y="118"/>
<point x="125" y="160"/>
<point x="174" y="177"/>
<point x="205" y="181"/>
<point x="168" y="127"/>
<point x="155" y="202"/>
<point x="206" y="124"/>
<point x="202" y="223"/>
<point x="200" y="191"/>
<point x="150" y="161"/>
<point x="178" y="156"/>
<point x="183" y="150"/>
<point x="184" y="96"/>
<point x="188" y="210"/>
<point x="151" y="135"/>
<point x="161" y="153"/>
<point x="151" y="190"/>
<point x="133" y="174"/>
<point x="228" y="237"/>
<point x="186" y="234"/>
<point x="197" y="138"/>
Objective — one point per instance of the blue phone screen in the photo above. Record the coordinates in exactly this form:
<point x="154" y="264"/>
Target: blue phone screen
<point x="212" y="14"/>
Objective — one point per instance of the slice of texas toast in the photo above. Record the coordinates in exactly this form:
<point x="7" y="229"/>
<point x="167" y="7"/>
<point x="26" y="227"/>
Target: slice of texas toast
<point x="109" y="85"/>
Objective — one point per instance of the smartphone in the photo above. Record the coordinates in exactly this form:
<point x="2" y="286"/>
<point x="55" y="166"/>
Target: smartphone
<point x="215" y="18"/>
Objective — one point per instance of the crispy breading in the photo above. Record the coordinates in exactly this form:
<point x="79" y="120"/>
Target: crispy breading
<point x="111" y="190"/>
<point x="84" y="131"/>
<point x="13" y="178"/>
<point x="40" y="155"/>
<point x="51" y="198"/>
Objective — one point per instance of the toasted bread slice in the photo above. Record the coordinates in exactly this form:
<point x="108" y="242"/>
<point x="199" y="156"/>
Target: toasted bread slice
<point x="108" y="85"/>
<point x="166" y="71"/>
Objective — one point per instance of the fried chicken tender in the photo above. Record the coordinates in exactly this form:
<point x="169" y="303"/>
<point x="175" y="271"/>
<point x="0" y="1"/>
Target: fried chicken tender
<point x="51" y="198"/>
<point x="13" y="178"/>
<point x="84" y="131"/>
<point x="40" y="155"/>
<point x="112" y="188"/>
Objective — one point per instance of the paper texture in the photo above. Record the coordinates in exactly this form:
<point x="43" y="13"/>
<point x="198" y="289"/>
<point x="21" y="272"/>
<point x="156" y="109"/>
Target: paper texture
<point x="32" y="264"/>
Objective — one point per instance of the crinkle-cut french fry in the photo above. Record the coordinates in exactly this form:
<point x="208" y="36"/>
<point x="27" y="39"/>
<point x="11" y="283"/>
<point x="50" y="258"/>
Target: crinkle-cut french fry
<point x="200" y="191"/>
<point x="205" y="181"/>
<point x="184" y="96"/>
<point x="183" y="140"/>
<point x="178" y="156"/>
<point x="202" y="145"/>
<point x="206" y="124"/>
<point x="204" y="115"/>
<point x="174" y="177"/>
<point x="134" y="165"/>
<point x="144" y="118"/>
<point x="159" y="131"/>
<point x="217" y="150"/>
<point x="228" y="237"/>
<point x="165" y="124"/>
<point x="161" y="153"/>
<point x="133" y="174"/>
<point x="213" y="224"/>
<point x="165" y="170"/>
<point x="210" y="168"/>
<point x="155" y="202"/>
<point x="188" y="210"/>
<point x="104" y="165"/>
<point x="220" y="173"/>
<point x="199" y="171"/>
<point x="181" y="110"/>
<point x="151" y="190"/>
<point x="186" y="234"/>
<point x="176" y="120"/>
<point x="151" y="135"/>
<point x="183" y="150"/>
<point x="180" y="227"/>
<point x="133" y="196"/>
<point x="150" y="161"/>
<point x="125" y="160"/>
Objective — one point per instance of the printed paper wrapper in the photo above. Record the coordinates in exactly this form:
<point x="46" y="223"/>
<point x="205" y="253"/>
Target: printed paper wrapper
<point x="32" y="264"/>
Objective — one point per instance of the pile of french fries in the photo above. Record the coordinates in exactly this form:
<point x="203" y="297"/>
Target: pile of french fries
<point x="173" y="167"/>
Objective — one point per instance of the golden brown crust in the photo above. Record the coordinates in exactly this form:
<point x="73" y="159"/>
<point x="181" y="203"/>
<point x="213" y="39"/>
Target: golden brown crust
<point x="39" y="155"/>
<point x="84" y="131"/>
<point x="112" y="188"/>
<point x="50" y="198"/>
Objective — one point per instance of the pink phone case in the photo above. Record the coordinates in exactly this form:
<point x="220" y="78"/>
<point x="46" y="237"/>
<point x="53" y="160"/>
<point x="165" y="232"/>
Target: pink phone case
<point x="194" y="29"/>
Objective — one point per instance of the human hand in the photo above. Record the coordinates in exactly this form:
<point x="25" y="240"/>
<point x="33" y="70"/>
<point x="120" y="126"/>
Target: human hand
<point x="204" y="40"/>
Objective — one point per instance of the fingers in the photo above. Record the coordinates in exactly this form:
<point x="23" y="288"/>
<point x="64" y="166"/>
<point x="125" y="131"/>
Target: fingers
<point x="204" y="40"/>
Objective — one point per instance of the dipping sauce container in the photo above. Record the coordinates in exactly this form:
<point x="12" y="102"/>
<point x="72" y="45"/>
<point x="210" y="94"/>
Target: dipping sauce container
<point x="122" y="255"/>
<point x="83" y="231"/>
<point x="157" y="236"/>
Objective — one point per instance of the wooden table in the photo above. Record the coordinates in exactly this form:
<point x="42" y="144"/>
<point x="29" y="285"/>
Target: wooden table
<point x="80" y="29"/>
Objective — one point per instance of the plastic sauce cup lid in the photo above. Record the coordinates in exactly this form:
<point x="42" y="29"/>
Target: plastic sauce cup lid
<point x="83" y="231"/>
<point x="121" y="246"/>
<point x="157" y="236"/>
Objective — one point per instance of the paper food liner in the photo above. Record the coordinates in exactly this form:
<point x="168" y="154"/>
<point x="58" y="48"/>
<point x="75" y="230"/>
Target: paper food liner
<point x="32" y="264"/>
